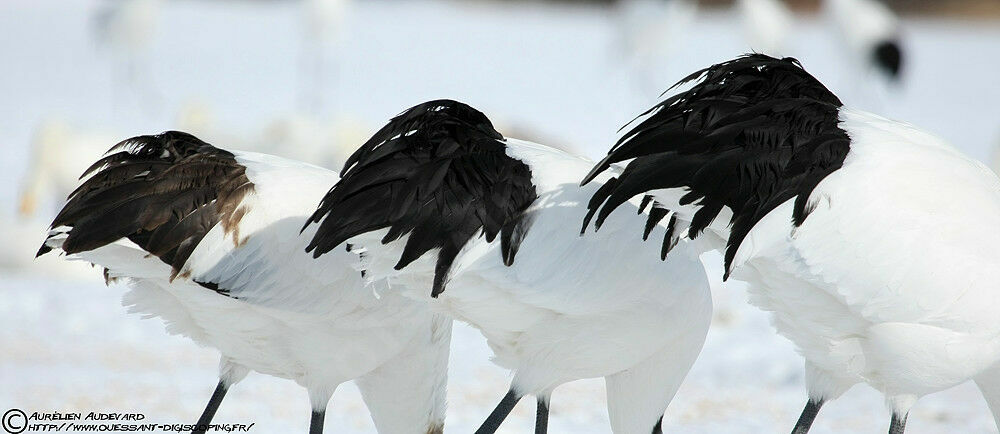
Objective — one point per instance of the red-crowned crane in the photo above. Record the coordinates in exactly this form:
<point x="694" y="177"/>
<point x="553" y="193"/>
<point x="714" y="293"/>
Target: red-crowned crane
<point x="442" y="203"/>
<point x="871" y="242"/>
<point x="209" y="241"/>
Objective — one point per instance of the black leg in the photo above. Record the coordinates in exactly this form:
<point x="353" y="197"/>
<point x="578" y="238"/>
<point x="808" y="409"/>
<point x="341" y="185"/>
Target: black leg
<point x="499" y="414"/>
<point x="541" y="417"/>
<point x="898" y="424"/>
<point x="210" y="409"/>
<point x="807" y="417"/>
<point x="658" y="429"/>
<point x="316" y="422"/>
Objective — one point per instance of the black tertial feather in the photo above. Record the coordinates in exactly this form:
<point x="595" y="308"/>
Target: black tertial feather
<point x="595" y="202"/>
<point x="646" y="200"/>
<point x="162" y="192"/>
<point x="655" y="215"/>
<point x="753" y="133"/>
<point x="670" y="238"/>
<point x="438" y="173"/>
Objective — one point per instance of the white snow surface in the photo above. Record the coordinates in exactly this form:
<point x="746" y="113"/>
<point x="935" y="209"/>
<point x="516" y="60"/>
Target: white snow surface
<point x="67" y="344"/>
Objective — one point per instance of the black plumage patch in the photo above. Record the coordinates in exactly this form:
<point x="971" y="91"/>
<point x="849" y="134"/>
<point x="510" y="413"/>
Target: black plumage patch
<point x="162" y="192"/>
<point x="753" y="133"/>
<point x="439" y="173"/>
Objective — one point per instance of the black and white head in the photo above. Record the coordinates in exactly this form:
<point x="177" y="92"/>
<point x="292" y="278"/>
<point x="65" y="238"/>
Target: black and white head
<point x="438" y="173"/>
<point x="750" y="134"/>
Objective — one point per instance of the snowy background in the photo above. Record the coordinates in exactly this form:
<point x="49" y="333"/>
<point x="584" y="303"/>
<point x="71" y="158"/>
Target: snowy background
<point x="555" y="74"/>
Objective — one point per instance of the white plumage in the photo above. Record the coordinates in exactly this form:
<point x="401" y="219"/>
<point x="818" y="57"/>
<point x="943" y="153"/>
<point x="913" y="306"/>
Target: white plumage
<point x="888" y="278"/>
<point x="279" y="311"/>
<point x="566" y="307"/>
<point x="574" y="307"/>
<point x="905" y="305"/>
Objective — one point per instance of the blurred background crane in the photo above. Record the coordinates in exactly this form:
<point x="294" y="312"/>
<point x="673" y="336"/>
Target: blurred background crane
<point x="125" y="28"/>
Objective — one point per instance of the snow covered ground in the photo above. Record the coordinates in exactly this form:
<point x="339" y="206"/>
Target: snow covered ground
<point x="552" y="72"/>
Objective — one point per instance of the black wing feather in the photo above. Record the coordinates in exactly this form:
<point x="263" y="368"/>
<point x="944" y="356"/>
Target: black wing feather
<point x="163" y="192"/>
<point x="753" y="133"/>
<point x="438" y="173"/>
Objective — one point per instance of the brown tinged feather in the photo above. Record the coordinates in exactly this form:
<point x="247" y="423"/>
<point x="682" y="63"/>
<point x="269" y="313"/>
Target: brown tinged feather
<point x="163" y="192"/>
